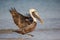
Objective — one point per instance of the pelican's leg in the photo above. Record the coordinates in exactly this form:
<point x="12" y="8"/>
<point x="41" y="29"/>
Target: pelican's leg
<point x="30" y="35"/>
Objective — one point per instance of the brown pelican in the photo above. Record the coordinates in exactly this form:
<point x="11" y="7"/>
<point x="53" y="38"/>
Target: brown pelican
<point x="26" y="24"/>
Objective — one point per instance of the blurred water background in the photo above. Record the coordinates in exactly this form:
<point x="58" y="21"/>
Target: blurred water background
<point x="49" y="10"/>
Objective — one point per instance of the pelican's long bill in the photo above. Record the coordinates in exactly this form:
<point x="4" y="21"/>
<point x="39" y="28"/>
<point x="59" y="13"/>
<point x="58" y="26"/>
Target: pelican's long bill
<point x="35" y="15"/>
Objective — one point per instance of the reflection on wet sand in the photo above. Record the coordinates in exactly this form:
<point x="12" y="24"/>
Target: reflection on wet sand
<point x="40" y="34"/>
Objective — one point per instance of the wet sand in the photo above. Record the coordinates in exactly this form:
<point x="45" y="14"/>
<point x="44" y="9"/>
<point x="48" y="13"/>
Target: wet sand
<point x="41" y="34"/>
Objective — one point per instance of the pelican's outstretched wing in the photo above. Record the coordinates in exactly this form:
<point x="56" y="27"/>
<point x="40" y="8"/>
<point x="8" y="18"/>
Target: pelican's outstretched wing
<point x="19" y="19"/>
<point x="14" y="11"/>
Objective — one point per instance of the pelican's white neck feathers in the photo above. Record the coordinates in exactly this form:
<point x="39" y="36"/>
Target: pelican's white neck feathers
<point x="33" y="10"/>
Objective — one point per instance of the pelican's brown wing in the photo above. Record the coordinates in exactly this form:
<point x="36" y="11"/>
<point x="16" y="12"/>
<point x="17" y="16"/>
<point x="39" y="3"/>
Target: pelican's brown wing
<point x="19" y="19"/>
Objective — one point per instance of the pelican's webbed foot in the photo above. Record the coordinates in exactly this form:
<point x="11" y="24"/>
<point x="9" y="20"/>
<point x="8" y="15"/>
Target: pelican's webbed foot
<point x="30" y="35"/>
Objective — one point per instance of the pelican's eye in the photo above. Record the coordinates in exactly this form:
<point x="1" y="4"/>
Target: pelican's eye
<point x="33" y="12"/>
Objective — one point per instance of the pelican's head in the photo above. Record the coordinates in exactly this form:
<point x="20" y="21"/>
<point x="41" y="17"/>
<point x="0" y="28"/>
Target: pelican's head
<point x="34" y="15"/>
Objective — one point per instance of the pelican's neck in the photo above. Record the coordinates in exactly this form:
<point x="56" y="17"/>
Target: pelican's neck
<point x="34" y="19"/>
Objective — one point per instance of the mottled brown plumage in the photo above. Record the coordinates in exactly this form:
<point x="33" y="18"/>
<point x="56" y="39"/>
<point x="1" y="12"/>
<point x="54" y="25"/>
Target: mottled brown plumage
<point x="25" y="25"/>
